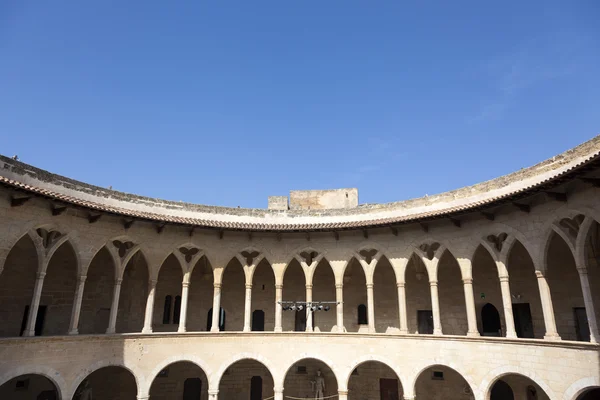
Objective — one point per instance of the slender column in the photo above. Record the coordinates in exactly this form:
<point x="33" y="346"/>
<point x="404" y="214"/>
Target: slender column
<point x="309" y="313"/>
<point x="342" y="395"/>
<point x="589" y="304"/>
<point x="547" y="309"/>
<point x="278" y="394"/>
<point x="339" y="308"/>
<point x="470" y="304"/>
<point x="248" y="308"/>
<point x="509" y="320"/>
<point x="216" y="309"/>
<point x="278" y="308"/>
<point x="213" y="394"/>
<point x="185" y="290"/>
<point x="35" y="304"/>
<point x="112" y="320"/>
<point x="149" y="307"/>
<point x="77" y="306"/>
<point x="371" y="307"/>
<point x="402" y="308"/>
<point x="435" y="308"/>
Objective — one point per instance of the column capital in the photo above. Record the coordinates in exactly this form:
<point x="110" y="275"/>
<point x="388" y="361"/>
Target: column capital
<point x="213" y="392"/>
<point x="468" y="281"/>
<point x="582" y="270"/>
<point x="400" y="284"/>
<point x="118" y="281"/>
<point x="539" y="274"/>
<point x="343" y="392"/>
<point x="278" y="390"/>
<point x="433" y="283"/>
<point x="370" y="285"/>
<point x="82" y="278"/>
<point x="309" y="287"/>
<point x="41" y="275"/>
<point x="185" y="284"/>
<point x="217" y="285"/>
<point x="248" y="286"/>
<point x="339" y="285"/>
<point x="153" y="282"/>
<point x="503" y="278"/>
<point x="279" y="286"/>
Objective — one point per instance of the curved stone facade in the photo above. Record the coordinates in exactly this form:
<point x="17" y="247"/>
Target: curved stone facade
<point x="461" y="296"/>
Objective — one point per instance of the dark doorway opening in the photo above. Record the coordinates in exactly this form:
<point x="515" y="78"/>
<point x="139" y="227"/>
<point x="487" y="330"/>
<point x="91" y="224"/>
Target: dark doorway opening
<point x="490" y="321"/>
<point x="593" y="394"/>
<point x="300" y="323"/>
<point x="256" y="388"/>
<point x="362" y="315"/>
<point x="502" y="391"/>
<point x="388" y="389"/>
<point x="39" y="321"/>
<point x="523" y="321"/>
<point x="192" y="389"/>
<point x="221" y="319"/>
<point x="258" y="320"/>
<point x="582" y="327"/>
<point x="425" y="321"/>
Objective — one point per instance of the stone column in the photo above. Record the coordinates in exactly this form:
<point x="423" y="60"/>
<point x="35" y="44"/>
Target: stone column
<point x="309" y="313"/>
<point x="149" y="307"/>
<point x="248" y="308"/>
<point x="77" y="306"/>
<point x="547" y="309"/>
<point x="112" y="320"/>
<point x="371" y="309"/>
<point x="402" y="308"/>
<point x="589" y="304"/>
<point x="35" y="304"/>
<point x="278" y="394"/>
<point x="278" y="307"/>
<point x="213" y="394"/>
<point x="509" y="320"/>
<point x="216" y="309"/>
<point x="342" y="395"/>
<point x="339" y="308"/>
<point x="435" y="308"/>
<point x="470" y="304"/>
<point x="185" y="290"/>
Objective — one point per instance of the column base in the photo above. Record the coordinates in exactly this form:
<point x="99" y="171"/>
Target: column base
<point x="552" y="336"/>
<point x="74" y="332"/>
<point x="215" y="330"/>
<point x="246" y="329"/>
<point x="409" y="397"/>
<point x="473" y="334"/>
<point x="404" y="331"/>
<point x="278" y="329"/>
<point x="437" y="332"/>
<point x="110" y="331"/>
<point x="181" y="330"/>
<point x="309" y="330"/>
<point x="29" y="333"/>
<point x="511" y="335"/>
<point x="145" y="330"/>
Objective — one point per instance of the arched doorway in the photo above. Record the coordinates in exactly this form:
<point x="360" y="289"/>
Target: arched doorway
<point x="418" y="297"/>
<point x="180" y="380"/>
<point x="200" y="299"/>
<point x="294" y="289"/>
<point x="233" y="295"/>
<point x="167" y="298"/>
<point x="490" y="321"/>
<point x="486" y="287"/>
<point x="299" y="378"/>
<point x="245" y="379"/>
<point x="30" y="386"/>
<point x="133" y="296"/>
<point x="385" y="294"/>
<point x="97" y="294"/>
<point x="355" y="298"/>
<point x="440" y="382"/>
<point x="263" y="294"/>
<point x="323" y="290"/>
<point x="453" y="311"/>
<point x="373" y="380"/>
<point x="501" y="391"/>
<point x="521" y="387"/>
<point x="590" y="394"/>
<point x="112" y="382"/>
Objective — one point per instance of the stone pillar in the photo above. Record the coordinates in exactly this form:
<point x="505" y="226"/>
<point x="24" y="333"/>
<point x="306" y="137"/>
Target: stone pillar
<point x="470" y="304"/>
<point x="278" y="394"/>
<point x="435" y="308"/>
<point x="509" y="320"/>
<point x="371" y="307"/>
<point x="547" y="309"/>
<point x="112" y="320"/>
<point x="213" y="394"/>
<point x="248" y="308"/>
<point x="185" y="290"/>
<point x="342" y="395"/>
<point x="278" y="307"/>
<point x="77" y="305"/>
<point x="35" y="304"/>
<point x="216" y="309"/>
<point x="148" y="316"/>
<point x="589" y="304"/>
<point x="339" y="308"/>
<point x="402" y="308"/>
<point x="309" y="312"/>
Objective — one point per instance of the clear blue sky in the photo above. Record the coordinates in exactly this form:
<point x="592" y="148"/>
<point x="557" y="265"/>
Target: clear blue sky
<point x="228" y="102"/>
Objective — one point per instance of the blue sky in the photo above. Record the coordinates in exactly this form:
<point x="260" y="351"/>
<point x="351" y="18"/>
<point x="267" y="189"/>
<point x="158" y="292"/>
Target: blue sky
<point x="229" y="102"/>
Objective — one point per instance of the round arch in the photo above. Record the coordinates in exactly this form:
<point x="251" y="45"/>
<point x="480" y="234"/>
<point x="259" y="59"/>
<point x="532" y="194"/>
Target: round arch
<point x="453" y="368"/>
<point x="296" y="385"/>
<point x="41" y="370"/>
<point x="580" y="387"/>
<point x="97" y="366"/>
<point x="375" y="358"/>
<point x="215" y="379"/>
<point x="194" y="361"/>
<point x="498" y="373"/>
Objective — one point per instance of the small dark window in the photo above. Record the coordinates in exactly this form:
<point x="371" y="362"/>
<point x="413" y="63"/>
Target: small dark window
<point x="362" y="315"/>
<point x="355" y="372"/>
<point x="437" y="375"/>
<point x="177" y="310"/>
<point x="256" y="388"/>
<point x="258" y="320"/>
<point x="301" y="369"/>
<point x="22" y="384"/>
<point x="221" y="319"/>
<point x="164" y="373"/>
<point x="167" y="310"/>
